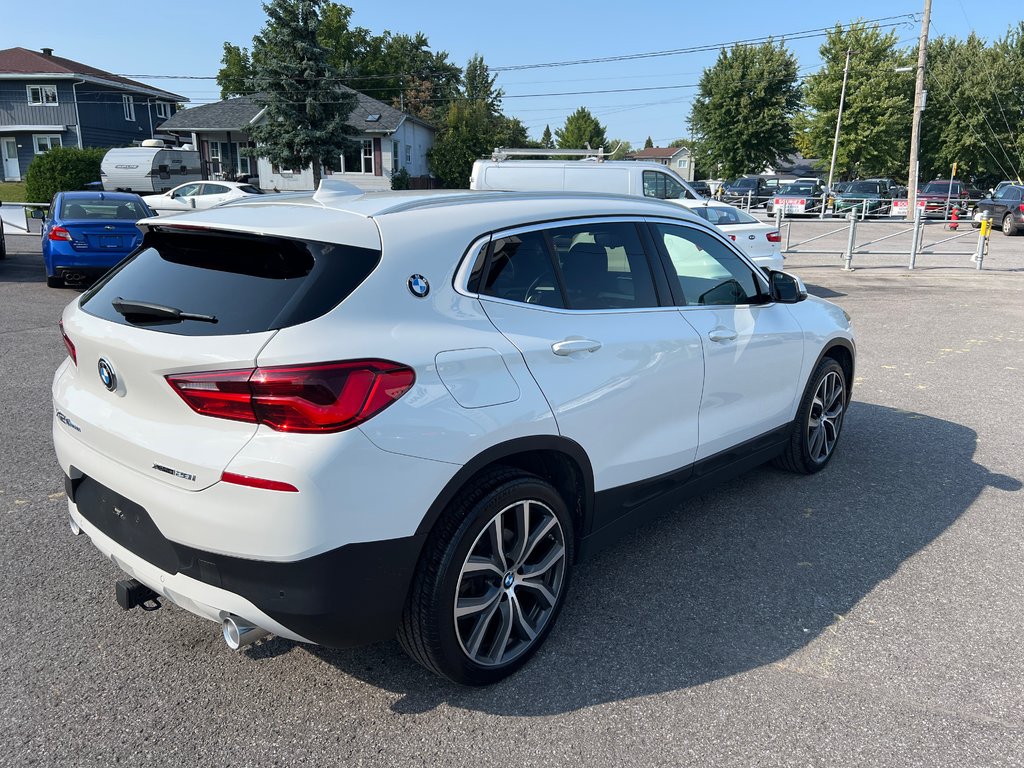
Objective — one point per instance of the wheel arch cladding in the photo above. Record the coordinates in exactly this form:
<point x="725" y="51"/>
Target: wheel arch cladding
<point x="558" y="460"/>
<point x="840" y="351"/>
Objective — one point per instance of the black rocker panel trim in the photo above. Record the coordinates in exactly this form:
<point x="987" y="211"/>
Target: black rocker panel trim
<point x="349" y="596"/>
<point x="619" y="510"/>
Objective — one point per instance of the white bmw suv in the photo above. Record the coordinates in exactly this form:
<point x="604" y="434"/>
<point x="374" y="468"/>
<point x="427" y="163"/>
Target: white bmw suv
<point x="339" y="418"/>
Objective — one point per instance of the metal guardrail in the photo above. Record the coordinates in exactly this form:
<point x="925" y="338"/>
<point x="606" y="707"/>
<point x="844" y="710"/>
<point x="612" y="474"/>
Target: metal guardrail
<point x="918" y="230"/>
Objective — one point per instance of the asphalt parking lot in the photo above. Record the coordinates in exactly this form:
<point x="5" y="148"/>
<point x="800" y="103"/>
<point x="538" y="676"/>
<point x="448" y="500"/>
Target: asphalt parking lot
<point x="871" y="614"/>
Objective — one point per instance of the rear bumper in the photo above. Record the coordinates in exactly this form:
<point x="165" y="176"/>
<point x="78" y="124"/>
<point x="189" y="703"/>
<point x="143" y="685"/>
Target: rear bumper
<point x="349" y="596"/>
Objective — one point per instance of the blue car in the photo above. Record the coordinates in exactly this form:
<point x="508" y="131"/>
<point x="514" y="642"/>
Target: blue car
<point x="87" y="233"/>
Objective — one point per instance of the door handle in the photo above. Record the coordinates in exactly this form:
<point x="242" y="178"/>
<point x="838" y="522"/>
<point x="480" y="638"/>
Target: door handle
<point x="722" y="334"/>
<point x="569" y="346"/>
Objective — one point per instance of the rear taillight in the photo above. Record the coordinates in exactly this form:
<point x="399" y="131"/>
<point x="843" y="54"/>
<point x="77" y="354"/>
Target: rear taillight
<point x="59" y="233"/>
<point x="1021" y="207"/>
<point x="326" y="397"/>
<point x="774" y="237"/>
<point x="68" y="343"/>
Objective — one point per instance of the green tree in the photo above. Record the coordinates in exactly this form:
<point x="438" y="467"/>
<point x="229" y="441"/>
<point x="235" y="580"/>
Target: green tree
<point x="649" y="144"/>
<point x="875" y="135"/>
<point x="619" y="148"/>
<point x="61" y="169"/>
<point x="580" y="130"/>
<point x="235" y="75"/>
<point x="974" y="115"/>
<point x="742" y="116"/>
<point x="546" y="141"/>
<point x="465" y="138"/>
<point x="479" y="84"/>
<point x="306" y="109"/>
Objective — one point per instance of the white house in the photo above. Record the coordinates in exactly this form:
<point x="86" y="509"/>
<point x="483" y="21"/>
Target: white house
<point x="387" y="140"/>
<point x="678" y="159"/>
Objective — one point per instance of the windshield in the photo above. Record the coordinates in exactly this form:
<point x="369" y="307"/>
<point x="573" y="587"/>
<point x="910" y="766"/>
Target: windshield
<point x="744" y="183"/>
<point x="797" y="189"/>
<point x="940" y="188"/>
<point x="868" y="187"/>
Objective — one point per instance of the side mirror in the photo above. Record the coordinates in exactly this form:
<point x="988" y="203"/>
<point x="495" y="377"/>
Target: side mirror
<point x="786" y="288"/>
<point x="38" y="213"/>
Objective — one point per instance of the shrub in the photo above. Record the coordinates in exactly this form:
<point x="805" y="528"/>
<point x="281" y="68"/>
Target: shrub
<point x="400" y="179"/>
<point x="61" y="169"/>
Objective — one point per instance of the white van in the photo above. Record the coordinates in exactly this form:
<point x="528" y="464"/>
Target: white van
<point x="629" y="177"/>
<point x="620" y="177"/>
<point x="148" y="169"/>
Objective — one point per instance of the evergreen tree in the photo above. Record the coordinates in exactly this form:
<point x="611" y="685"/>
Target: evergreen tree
<point x="306" y="110"/>
<point x="742" y="117"/>
<point x="649" y="144"/>
<point x="580" y="130"/>
<point x="545" y="140"/>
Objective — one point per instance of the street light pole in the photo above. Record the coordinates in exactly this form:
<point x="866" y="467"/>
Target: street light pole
<point x="839" y="122"/>
<point x="915" y="133"/>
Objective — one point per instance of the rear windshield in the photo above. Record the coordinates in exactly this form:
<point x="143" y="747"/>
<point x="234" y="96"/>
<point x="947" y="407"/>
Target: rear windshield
<point x="122" y="210"/>
<point x="797" y="189"/>
<point x="723" y="215"/>
<point x="744" y="183"/>
<point x="869" y="187"/>
<point x="248" y="283"/>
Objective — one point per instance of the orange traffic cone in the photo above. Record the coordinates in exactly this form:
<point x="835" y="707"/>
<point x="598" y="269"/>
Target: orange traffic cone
<point x="954" y="218"/>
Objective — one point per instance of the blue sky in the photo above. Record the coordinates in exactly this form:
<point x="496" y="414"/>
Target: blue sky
<point x="185" y="38"/>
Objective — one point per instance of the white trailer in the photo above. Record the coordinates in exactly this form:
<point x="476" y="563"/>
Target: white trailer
<point x="149" y="169"/>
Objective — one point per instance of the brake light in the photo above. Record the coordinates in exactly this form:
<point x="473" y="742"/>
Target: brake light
<point x="59" y="233"/>
<point x="774" y="237"/>
<point x="68" y="343"/>
<point x="1021" y="207"/>
<point x="326" y="397"/>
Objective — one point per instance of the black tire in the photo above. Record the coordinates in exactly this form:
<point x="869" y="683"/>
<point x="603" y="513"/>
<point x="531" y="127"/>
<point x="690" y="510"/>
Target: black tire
<point x="430" y="631"/>
<point x="803" y="453"/>
<point x="54" y="282"/>
<point x="3" y="245"/>
<point x="1009" y="226"/>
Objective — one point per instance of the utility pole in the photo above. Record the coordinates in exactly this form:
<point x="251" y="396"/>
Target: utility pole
<point x="919" y="96"/>
<point x="839" y="122"/>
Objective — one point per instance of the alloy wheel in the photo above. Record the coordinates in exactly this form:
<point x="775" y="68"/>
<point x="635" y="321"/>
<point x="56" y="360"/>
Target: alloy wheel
<point x="510" y="583"/>
<point x="826" y="416"/>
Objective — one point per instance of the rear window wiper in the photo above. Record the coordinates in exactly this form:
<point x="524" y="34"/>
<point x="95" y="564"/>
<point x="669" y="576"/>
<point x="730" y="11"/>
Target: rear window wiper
<point x="157" y="311"/>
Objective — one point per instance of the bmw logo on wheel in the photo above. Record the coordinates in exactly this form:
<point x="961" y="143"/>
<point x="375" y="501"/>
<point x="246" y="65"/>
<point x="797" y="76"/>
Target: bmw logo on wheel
<point x="107" y="375"/>
<point x="419" y="286"/>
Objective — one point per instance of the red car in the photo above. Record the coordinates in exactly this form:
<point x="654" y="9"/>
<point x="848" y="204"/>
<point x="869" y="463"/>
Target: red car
<point x="942" y="195"/>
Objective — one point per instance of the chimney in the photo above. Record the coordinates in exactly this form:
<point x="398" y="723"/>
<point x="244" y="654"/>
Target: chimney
<point x="47" y="51"/>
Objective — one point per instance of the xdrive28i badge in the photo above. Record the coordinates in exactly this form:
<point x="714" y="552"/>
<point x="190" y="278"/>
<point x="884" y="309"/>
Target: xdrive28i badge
<point x="107" y="375"/>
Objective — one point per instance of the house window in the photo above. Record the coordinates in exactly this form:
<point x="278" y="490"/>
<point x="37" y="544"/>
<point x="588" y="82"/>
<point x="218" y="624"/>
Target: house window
<point x="681" y="162"/>
<point x="358" y="157"/>
<point x="394" y="156"/>
<point x="408" y="154"/>
<point x="163" y="109"/>
<point x="42" y="95"/>
<point x="129" y="108"/>
<point x="44" y="143"/>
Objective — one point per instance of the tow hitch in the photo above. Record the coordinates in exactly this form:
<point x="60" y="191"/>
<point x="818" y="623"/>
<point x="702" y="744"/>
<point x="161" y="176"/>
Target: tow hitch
<point x="131" y="593"/>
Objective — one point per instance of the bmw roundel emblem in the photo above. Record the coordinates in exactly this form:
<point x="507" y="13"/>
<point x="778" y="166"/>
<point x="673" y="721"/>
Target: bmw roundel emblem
<point x="107" y="375"/>
<point x="419" y="286"/>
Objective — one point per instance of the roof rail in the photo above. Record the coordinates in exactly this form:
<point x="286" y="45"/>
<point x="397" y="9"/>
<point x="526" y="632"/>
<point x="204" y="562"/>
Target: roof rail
<point x="504" y="153"/>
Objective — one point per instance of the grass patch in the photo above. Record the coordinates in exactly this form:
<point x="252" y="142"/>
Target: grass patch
<point x="12" y="192"/>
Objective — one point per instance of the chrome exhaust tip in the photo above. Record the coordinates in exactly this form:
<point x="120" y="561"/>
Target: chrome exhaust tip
<point x="239" y="633"/>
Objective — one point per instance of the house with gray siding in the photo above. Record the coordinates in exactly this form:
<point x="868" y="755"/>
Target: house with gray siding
<point x="386" y="141"/>
<point x="49" y="101"/>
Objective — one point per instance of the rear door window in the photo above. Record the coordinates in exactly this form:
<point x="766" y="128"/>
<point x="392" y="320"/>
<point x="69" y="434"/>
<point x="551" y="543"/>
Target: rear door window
<point x="248" y="283"/>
